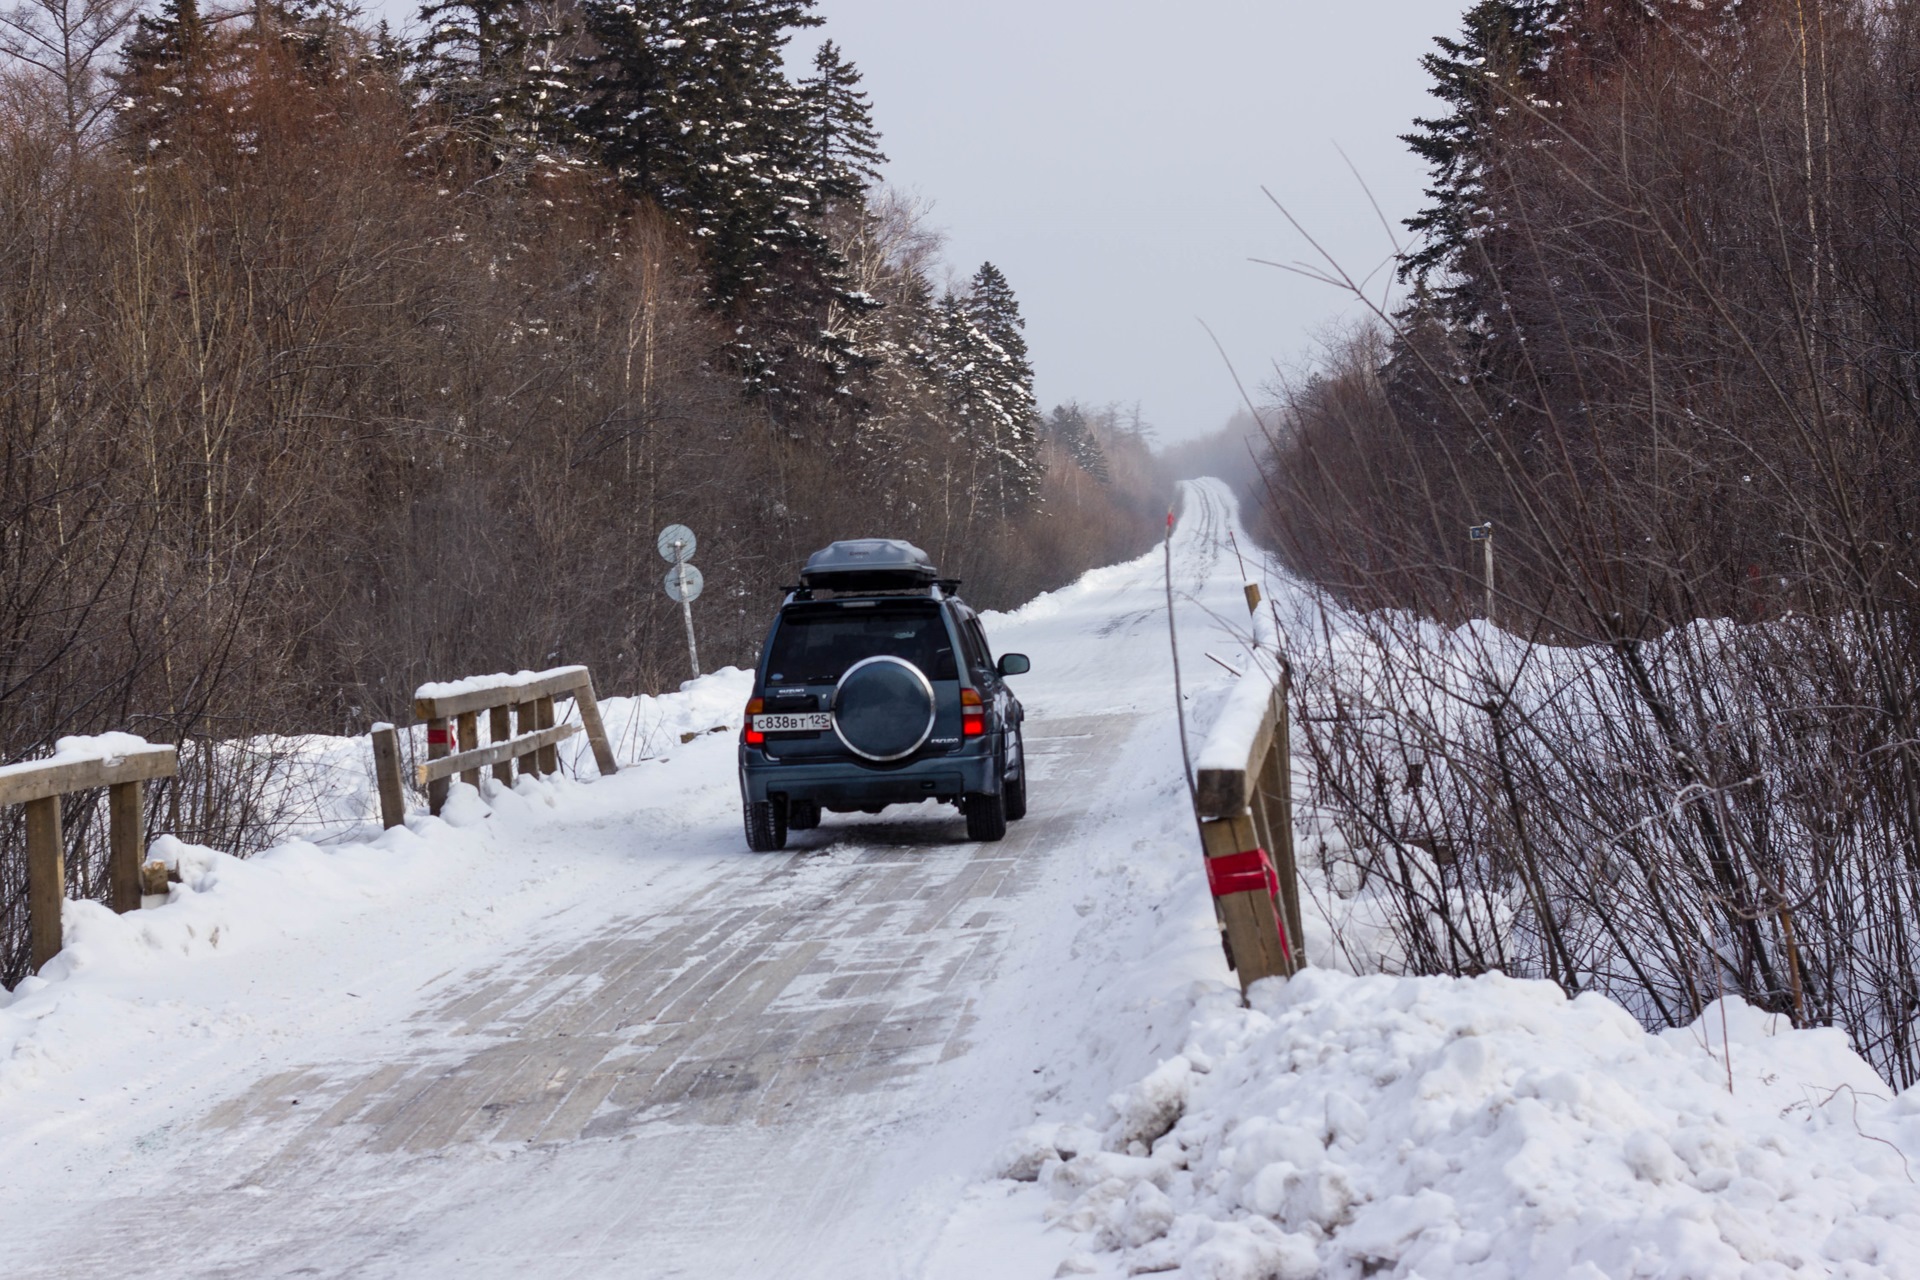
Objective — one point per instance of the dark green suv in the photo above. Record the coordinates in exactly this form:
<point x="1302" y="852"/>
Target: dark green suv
<point x="876" y="687"/>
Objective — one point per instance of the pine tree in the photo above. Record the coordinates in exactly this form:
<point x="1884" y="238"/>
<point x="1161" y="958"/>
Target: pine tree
<point x="690" y="105"/>
<point x="489" y="65"/>
<point x="1486" y="77"/>
<point x="983" y="362"/>
<point x="839" y="138"/>
<point x="179" y="72"/>
<point x="1068" y="428"/>
<point x="161" y="73"/>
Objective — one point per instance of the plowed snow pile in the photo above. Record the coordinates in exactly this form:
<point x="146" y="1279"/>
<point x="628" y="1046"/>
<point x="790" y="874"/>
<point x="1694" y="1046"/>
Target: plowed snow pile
<point x="1488" y="1127"/>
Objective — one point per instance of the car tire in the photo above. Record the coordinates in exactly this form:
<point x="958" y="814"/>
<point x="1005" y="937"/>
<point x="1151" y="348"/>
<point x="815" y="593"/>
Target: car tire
<point x="1016" y="799"/>
<point x="803" y="815"/>
<point x="1015" y="789"/>
<point x="986" y="815"/>
<point x="766" y="822"/>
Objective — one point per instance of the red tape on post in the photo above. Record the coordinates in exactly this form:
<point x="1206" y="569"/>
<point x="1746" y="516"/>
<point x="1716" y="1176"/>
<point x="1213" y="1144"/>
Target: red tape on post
<point x="1250" y="872"/>
<point x="1246" y="872"/>
<point x="438" y="737"/>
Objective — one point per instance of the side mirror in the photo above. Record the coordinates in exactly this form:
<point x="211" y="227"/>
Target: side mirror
<point x="1014" y="664"/>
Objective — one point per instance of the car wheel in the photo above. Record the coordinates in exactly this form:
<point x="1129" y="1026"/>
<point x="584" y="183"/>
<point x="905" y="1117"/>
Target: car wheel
<point x="1016" y="799"/>
<point x="986" y="815"/>
<point x="766" y="825"/>
<point x="1015" y="789"/>
<point x="803" y="815"/>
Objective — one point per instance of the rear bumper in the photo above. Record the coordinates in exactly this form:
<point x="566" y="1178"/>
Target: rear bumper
<point x="845" y="784"/>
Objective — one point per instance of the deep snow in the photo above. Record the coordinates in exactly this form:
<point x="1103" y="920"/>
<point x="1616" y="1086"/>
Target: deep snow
<point x="1118" y="1112"/>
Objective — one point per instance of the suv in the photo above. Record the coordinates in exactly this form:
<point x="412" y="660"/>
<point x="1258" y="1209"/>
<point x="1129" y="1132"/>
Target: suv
<point x="876" y="687"/>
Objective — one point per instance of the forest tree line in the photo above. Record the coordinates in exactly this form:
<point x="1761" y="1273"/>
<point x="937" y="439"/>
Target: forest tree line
<point x="332" y="362"/>
<point x="1661" y="330"/>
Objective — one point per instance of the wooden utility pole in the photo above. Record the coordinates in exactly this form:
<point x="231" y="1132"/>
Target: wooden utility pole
<point x="1483" y="534"/>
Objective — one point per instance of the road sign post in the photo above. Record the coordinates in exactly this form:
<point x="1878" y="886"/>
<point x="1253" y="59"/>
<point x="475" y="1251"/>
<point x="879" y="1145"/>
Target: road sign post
<point x="684" y="582"/>
<point x="1483" y="534"/>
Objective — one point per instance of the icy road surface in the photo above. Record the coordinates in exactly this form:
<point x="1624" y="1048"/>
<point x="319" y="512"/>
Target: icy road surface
<point x="585" y="1032"/>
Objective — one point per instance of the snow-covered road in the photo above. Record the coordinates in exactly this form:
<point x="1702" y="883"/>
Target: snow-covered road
<point x="581" y="1031"/>
<point x="577" y="1030"/>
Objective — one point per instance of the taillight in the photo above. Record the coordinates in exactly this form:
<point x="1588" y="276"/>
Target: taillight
<point x="973" y="716"/>
<point x="748" y="734"/>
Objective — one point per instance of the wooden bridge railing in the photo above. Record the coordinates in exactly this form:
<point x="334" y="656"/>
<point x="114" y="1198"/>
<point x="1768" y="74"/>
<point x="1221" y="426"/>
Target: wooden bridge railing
<point x="520" y="726"/>
<point x="39" y="784"/>
<point x="1243" y="800"/>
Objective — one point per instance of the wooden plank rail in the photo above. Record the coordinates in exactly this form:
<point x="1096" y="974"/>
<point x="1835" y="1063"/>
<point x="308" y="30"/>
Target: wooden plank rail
<point x="1243" y="802"/>
<point x="39" y="784"/>
<point x="519" y="713"/>
<point x="493" y="754"/>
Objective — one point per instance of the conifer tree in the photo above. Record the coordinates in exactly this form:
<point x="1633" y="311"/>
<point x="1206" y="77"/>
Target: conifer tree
<point x="983" y="359"/>
<point x="160" y="77"/>
<point x="1068" y="427"/>
<point x="839" y="138"/>
<point x="1485" y="77"/>
<point x="490" y="66"/>
<point x="689" y="103"/>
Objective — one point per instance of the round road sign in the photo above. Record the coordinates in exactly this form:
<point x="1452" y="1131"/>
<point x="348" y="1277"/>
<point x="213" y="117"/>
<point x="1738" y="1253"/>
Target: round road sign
<point x="677" y="543"/>
<point x="684" y="583"/>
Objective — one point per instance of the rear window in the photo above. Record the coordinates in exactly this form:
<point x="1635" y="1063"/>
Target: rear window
<point x="816" y="646"/>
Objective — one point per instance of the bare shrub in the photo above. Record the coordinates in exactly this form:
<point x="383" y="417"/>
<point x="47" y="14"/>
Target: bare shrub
<point x="1685" y="764"/>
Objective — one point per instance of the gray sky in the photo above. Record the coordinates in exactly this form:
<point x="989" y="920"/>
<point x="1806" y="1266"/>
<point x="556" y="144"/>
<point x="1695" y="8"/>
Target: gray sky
<point x="1108" y="155"/>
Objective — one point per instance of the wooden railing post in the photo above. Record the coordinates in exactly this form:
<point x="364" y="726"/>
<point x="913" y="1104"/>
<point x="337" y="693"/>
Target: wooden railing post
<point x="386" y="774"/>
<point x="499" y="729"/>
<point x="46" y="879"/>
<point x="437" y="748"/>
<point x="1249" y="915"/>
<point x="549" y="756"/>
<point x="526" y="719"/>
<point x="596" y="728"/>
<point x="469" y="739"/>
<point x="126" y="845"/>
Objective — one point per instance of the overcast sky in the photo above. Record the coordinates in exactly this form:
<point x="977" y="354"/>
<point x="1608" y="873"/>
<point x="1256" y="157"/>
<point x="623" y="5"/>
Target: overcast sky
<point x="1109" y="156"/>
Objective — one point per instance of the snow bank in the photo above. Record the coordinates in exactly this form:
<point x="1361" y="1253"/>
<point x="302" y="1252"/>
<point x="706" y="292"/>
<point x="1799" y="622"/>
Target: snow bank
<point x="1487" y="1127"/>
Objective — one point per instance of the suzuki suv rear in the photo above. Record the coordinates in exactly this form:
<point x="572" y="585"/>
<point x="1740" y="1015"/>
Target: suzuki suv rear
<point x="876" y="687"/>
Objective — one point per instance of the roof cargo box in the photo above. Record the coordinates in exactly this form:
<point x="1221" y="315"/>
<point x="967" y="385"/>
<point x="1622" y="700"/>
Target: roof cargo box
<point x="869" y="564"/>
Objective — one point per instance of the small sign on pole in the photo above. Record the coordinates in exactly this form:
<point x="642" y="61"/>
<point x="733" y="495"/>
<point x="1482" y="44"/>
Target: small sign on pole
<point x="684" y="582"/>
<point x="677" y="543"/>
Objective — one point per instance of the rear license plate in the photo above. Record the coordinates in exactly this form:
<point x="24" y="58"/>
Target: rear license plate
<point x="793" y="721"/>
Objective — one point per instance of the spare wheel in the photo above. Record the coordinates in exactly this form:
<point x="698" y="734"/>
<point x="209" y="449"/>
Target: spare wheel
<point x="883" y="708"/>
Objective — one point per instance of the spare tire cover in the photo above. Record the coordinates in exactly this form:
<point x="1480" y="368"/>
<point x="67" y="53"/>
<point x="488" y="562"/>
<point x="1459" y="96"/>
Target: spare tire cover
<point x="883" y="708"/>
